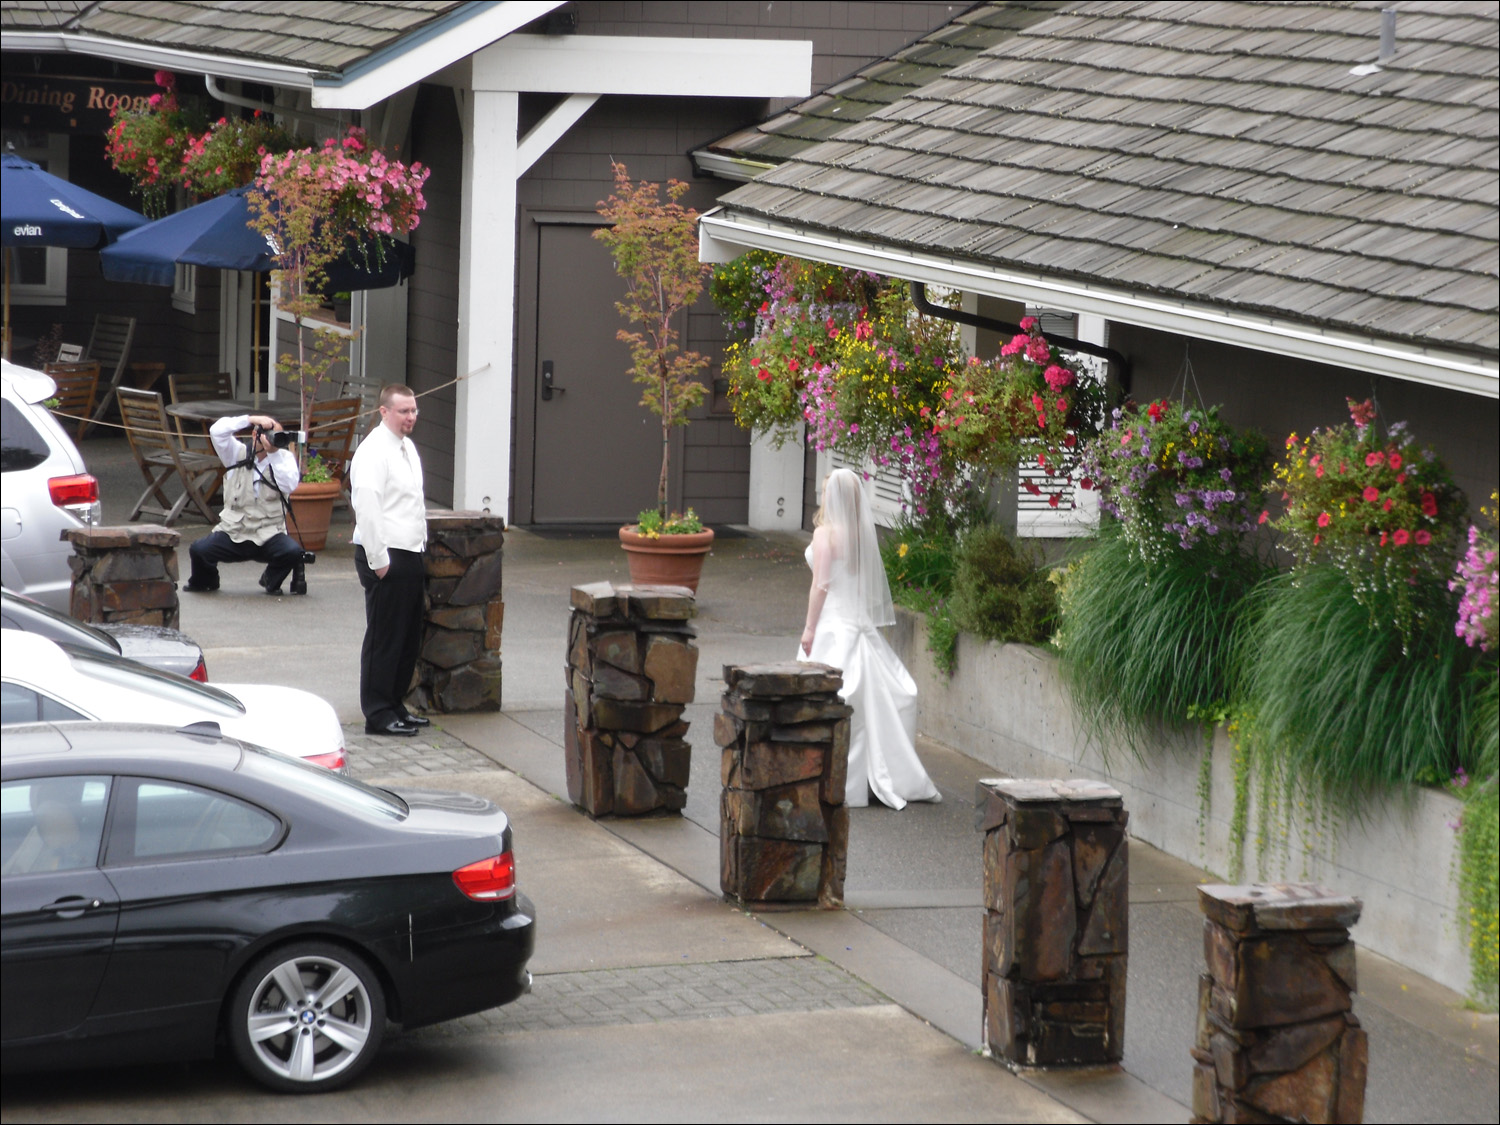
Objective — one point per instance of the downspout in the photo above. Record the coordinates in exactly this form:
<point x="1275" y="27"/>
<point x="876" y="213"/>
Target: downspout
<point x="218" y="92"/>
<point x="974" y="320"/>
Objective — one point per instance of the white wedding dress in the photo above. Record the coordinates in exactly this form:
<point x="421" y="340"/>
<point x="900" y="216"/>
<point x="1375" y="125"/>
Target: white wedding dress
<point x="882" y="732"/>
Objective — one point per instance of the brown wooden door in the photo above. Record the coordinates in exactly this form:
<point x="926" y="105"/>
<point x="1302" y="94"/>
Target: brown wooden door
<point x="598" y="451"/>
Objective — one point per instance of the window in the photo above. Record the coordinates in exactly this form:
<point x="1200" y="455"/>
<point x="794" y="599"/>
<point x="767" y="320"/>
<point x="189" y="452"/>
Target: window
<point x="39" y="275"/>
<point x="185" y="288"/>
<point x="19" y="704"/>
<point x="21" y="445"/>
<point x="51" y="823"/>
<point x="163" y="819"/>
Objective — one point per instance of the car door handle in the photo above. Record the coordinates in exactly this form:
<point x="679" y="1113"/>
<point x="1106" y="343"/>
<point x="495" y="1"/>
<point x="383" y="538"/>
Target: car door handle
<point x="72" y="906"/>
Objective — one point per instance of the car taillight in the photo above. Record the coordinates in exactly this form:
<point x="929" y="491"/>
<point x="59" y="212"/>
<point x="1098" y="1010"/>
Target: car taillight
<point x="79" y="494"/>
<point x="333" y="761"/>
<point x="489" y="879"/>
<point x="200" y="673"/>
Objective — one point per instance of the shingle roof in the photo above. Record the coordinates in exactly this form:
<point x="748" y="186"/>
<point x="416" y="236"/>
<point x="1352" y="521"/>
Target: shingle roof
<point x="1213" y="152"/>
<point x="326" y="35"/>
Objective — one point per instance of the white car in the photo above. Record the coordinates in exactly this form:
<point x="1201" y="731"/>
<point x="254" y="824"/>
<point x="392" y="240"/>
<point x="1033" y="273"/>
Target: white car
<point x="43" y="681"/>
<point x="46" y="489"/>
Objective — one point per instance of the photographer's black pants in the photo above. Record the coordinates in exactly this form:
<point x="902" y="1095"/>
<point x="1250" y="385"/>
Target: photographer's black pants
<point x="393" y="632"/>
<point x="280" y="553"/>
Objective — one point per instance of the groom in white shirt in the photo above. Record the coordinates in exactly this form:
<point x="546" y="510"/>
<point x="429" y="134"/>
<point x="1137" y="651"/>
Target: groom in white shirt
<point x="390" y="534"/>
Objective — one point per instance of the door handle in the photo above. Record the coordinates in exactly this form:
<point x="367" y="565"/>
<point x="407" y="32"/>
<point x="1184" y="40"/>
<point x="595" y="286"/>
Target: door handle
<point x="72" y="906"/>
<point x="549" y="388"/>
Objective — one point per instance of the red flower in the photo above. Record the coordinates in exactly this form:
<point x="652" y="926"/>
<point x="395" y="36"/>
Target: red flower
<point x="1070" y="440"/>
<point x="1343" y="468"/>
<point x="1317" y="539"/>
<point x="1156" y="410"/>
<point x="1062" y="405"/>
<point x="793" y="366"/>
<point x="1033" y="489"/>
<point x="1324" y="519"/>
<point x="1028" y="323"/>
<point x="1053" y="499"/>
<point x="763" y="376"/>
<point x="1264" y="516"/>
<point x="1383" y="538"/>
<point x="1373" y="459"/>
<point x="1087" y="484"/>
<point x="1402" y="537"/>
<point x="1386" y="507"/>
<point x="1400" y="478"/>
<point x="1372" y="494"/>
<point x="1424" y="538"/>
<point x="1394" y="461"/>
<point x="1319" y="473"/>
<point x="1429" y="504"/>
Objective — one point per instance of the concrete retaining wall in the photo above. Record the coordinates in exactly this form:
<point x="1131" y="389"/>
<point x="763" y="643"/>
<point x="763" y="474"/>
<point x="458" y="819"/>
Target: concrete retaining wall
<point x="1006" y="706"/>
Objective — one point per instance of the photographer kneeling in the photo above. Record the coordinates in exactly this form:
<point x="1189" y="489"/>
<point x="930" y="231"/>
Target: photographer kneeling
<point x="253" y="522"/>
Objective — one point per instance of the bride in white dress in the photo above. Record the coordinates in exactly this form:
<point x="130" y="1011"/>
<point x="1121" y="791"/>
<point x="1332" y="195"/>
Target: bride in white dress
<point x="849" y="598"/>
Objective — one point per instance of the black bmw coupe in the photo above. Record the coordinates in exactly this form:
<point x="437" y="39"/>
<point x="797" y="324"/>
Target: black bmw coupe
<point x="168" y="892"/>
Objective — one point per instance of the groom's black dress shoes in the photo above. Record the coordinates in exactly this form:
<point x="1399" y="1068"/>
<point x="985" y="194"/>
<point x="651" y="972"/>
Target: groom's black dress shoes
<point x="392" y="725"/>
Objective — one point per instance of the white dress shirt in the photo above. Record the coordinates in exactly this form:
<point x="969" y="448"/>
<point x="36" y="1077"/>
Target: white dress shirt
<point x="231" y="451"/>
<point x="385" y="482"/>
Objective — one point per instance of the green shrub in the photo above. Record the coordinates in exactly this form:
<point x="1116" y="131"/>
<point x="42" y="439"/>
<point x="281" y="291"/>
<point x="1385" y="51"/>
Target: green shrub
<point x="1002" y="593"/>
<point x="1150" y="643"/>
<point x="919" y="565"/>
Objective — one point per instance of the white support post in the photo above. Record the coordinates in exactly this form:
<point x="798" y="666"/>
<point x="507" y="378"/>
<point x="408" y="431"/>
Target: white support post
<point x="776" y="483"/>
<point x="486" y="303"/>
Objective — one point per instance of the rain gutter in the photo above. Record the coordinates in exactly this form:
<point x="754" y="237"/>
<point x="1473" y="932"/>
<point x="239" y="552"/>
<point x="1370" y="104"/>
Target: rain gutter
<point x="1067" y="343"/>
<point x="724" y="234"/>
<point x="164" y="58"/>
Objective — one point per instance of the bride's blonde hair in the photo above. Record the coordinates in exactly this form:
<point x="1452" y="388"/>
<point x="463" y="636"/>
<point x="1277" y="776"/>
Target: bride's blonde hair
<point x="821" y="516"/>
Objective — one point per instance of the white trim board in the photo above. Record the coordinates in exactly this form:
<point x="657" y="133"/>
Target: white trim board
<point x="652" y="65"/>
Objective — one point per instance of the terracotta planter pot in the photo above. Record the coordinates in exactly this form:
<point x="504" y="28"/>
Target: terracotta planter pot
<point x="312" y="512"/>
<point x="672" y="560"/>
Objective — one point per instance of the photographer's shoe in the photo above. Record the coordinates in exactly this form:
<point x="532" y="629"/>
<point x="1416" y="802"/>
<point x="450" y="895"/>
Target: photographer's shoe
<point x="268" y="588"/>
<point x="390" y="726"/>
<point x="199" y="587"/>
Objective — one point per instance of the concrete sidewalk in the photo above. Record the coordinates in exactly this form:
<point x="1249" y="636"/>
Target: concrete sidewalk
<point x="638" y="900"/>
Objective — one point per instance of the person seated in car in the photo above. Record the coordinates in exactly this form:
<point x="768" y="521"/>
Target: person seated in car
<point x="252" y="524"/>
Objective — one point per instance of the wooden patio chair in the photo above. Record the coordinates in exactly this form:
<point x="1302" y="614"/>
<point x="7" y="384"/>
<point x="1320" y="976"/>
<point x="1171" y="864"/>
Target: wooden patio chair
<point x="109" y="346"/>
<point x="77" y="384"/>
<point x="331" y="425"/>
<point x="197" y="388"/>
<point x="153" y="441"/>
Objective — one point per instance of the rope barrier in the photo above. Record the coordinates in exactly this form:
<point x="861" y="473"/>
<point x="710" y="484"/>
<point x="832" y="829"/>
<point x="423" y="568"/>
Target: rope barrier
<point x="325" y="426"/>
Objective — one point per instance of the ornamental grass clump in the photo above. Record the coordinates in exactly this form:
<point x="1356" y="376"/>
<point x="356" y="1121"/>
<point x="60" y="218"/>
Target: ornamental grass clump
<point x="1145" y="643"/>
<point x="920" y="563"/>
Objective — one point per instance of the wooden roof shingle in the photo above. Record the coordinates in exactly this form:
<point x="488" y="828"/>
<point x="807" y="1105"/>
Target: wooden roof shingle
<point x="1218" y="151"/>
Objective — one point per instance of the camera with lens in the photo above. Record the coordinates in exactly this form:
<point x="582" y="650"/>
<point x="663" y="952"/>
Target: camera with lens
<point x="281" y="439"/>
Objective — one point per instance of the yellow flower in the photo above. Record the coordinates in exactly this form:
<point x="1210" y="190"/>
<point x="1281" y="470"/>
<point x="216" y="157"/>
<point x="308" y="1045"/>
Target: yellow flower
<point x="901" y="551"/>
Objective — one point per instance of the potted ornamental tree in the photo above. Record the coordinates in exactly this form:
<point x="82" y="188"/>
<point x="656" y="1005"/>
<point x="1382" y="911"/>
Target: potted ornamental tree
<point x="654" y="244"/>
<point x="316" y="205"/>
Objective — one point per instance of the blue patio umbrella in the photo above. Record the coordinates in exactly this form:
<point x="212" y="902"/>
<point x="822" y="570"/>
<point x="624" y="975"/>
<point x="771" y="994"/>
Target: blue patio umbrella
<point x="217" y="234"/>
<point x="40" y="209"/>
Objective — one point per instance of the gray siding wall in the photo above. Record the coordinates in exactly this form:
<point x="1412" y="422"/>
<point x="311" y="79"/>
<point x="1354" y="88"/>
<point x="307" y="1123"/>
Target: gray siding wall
<point x="432" y="308"/>
<point x="653" y="137"/>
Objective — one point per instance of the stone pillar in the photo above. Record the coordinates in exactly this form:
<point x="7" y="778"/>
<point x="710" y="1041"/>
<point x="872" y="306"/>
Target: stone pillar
<point x="1277" y="1040"/>
<point x="458" y="668"/>
<point x="124" y="575"/>
<point x="1056" y="874"/>
<point x="783" y="825"/>
<point x="631" y="670"/>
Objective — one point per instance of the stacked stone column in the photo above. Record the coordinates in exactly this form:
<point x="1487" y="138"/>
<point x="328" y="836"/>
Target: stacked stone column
<point x="458" y="666"/>
<point x="631" y="671"/>
<point x="784" y="827"/>
<point x="1056" y="873"/>
<point x="1277" y="1040"/>
<point x="124" y="575"/>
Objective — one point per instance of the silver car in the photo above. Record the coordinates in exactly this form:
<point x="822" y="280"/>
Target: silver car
<point x="46" y="489"/>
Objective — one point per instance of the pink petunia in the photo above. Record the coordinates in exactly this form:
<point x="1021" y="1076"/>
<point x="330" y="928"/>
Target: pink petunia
<point x="1402" y="537"/>
<point x="1371" y="494"/>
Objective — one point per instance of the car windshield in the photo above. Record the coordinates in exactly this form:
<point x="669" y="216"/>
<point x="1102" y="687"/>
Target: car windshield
<point x="62" y="625"/>
<point x="353" y="796"/>
<point x="165" y="685"/>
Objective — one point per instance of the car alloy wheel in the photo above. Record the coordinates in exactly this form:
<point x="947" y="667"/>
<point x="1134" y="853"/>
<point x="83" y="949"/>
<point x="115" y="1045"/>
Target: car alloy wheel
<point x="308" y="1016"/>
